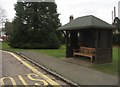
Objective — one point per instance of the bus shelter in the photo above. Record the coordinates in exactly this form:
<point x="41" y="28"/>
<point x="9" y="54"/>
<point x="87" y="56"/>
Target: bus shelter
<point x="89" y="31"/>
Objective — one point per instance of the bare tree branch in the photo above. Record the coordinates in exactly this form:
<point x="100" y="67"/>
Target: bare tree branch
<point x="2" y="17"/>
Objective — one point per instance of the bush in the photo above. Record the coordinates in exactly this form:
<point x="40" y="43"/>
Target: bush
<point x="116" y="39"/>
<point x="34" y="46"/>
<point x="35" y="27"/>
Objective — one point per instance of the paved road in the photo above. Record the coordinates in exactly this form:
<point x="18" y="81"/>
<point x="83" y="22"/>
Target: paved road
<point x="15" y="70"/>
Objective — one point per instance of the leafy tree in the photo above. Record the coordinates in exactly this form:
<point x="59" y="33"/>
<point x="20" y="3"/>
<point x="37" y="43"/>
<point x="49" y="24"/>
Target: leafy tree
<point x="9" y="28"/>
<point x="116" y="39"/>
<point x="117" y="23"/>
<point x="35" y="25"/>
<point x="116" y="36"/>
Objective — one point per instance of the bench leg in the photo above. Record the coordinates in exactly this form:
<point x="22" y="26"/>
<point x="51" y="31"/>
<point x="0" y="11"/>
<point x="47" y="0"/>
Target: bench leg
<point x="91" y="59"/>
<point x="73" y="56"/>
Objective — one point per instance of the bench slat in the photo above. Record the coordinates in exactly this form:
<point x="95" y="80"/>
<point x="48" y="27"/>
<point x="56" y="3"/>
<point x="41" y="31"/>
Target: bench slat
<point x="85" y="51"/>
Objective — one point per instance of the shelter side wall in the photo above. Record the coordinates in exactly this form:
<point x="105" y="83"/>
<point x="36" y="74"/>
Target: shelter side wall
<point x="104" y="47"/>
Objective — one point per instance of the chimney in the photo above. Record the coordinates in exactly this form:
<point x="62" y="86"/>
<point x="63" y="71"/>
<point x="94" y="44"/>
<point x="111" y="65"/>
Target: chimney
<point x="112" y="17"/>
<point x="114" y="12"/>
<point x="71" y="18"/>
<point x="119" y="9"/>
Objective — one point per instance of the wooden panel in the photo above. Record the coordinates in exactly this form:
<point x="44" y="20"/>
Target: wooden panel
<point x="88" y="39"/>
<point x="104" y="38"/>
<point x="72" y="42"/>
<point x="103" y="55"/>
<point x="74" y="39"/>
<point x="68" y="45"/>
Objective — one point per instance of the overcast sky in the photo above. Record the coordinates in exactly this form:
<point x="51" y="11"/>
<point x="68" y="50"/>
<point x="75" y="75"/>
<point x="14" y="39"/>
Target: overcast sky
<point x="99" y="8"/>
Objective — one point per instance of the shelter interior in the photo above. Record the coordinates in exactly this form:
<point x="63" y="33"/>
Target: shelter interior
<point x="100" y="39"/>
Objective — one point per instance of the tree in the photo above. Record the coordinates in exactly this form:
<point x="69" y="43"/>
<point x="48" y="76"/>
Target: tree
<point x="2" y="17"/>
<point x="9" y="28"/>
<point x="117" y="23"/>
<point x="35" y="25"/>
<point x="116" y="36"/>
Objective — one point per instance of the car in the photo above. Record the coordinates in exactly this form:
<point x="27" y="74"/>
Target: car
<point x="1" y="40"/>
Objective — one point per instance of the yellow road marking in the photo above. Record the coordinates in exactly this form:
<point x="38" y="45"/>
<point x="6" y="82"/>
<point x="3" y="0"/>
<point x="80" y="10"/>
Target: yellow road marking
<point x="35" y="70"/>
<point x="34" y="79"/>
<point x="11" y="79"/>
<point x="22" y="80"/>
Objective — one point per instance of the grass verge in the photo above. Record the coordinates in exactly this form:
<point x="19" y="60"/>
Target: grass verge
<point x="60" y="53"/>
<point x="109" y="68"/>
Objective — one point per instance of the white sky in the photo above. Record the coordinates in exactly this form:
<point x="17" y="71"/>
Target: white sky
<point x="99" y="8"/>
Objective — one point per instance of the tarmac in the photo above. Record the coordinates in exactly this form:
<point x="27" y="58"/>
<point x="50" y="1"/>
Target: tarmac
<point x="74" y="72"/>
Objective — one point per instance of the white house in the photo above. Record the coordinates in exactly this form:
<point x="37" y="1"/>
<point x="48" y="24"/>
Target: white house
<point x="2" y="33"/>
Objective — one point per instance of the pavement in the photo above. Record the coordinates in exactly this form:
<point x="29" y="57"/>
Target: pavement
<point x="73" y="72"/>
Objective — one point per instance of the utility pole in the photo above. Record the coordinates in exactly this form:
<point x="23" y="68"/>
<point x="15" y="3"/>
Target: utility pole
<point x="119" y="9"/>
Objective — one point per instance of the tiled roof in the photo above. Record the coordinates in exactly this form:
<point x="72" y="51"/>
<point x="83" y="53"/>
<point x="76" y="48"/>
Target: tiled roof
<point x="86" y="22"/>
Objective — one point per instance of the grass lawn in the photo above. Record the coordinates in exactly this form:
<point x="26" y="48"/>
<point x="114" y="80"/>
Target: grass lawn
<point x="5" y="46"/>
<point x="60" y="53"/>
<point x="109" y="68"/>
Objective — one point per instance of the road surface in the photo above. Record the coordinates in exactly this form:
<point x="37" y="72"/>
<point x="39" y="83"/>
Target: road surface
<point x="15" y="70"/>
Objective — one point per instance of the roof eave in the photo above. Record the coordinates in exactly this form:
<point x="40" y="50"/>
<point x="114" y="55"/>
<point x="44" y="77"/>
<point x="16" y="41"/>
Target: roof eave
<point x="85" y="27"/>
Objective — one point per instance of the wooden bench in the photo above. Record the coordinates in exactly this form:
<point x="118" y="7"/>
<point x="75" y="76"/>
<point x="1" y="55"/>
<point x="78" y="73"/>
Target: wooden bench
<point x="85" y="51"/>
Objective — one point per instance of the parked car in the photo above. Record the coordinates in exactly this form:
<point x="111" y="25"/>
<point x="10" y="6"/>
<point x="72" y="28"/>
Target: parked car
<point x="1" y="40"/>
